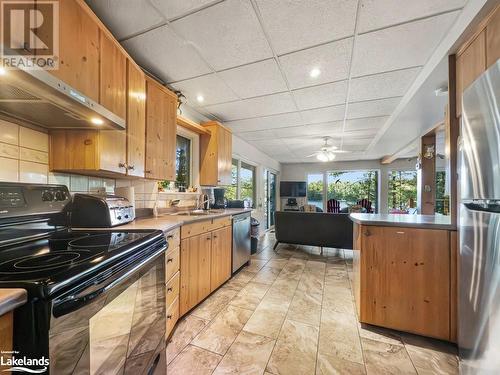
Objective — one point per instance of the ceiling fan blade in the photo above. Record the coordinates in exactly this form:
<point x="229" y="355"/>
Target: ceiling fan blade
<point x="313" y="154"/>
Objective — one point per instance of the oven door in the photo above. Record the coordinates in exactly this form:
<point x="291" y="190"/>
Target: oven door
<point x="116" y="326"/>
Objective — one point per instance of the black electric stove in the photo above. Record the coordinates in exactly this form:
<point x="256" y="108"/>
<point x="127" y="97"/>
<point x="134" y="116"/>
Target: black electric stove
<point x="96" y="299"/>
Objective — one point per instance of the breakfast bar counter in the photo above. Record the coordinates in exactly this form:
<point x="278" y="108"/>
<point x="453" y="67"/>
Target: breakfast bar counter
<point x="407" y="221"/>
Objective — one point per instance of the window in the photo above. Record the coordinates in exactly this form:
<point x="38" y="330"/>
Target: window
<point x="350" y="187"/>
<point x="247" y="184"/>
<point x="183" y="162"/>
<point x="442" y="197"/>
<point x="402" y="194"/>
<point x="231" y="191"/>
<point x="315" y="190"/>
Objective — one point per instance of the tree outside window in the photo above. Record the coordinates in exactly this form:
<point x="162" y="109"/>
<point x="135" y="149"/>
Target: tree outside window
<point x="247" y="184"/>
<point x="315" y="190"/>
<point x="402" y="194"/>
<point x="349" y="187"/>
<point x="183" y="162"/>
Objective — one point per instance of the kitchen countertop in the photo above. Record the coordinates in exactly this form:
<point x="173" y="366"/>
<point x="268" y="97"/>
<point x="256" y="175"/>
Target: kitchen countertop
<point x="411" y="221"/>
<point x="166" y="222"/>
<point x="10" y="298"/>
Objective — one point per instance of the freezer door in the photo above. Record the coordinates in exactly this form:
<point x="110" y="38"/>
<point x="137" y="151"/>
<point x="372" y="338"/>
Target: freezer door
<point x="479" y="288"/>
<point x="480" y="155"/>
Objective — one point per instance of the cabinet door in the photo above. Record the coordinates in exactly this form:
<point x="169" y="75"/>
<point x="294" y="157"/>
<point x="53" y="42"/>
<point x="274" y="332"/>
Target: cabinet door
<point x="493" y="39"/>
<point x="229" y="157"/>
<point x="78" y="49"/>
<point x="113" y="72"/>
<point x="112" y="151"/>
<point x="136" y="120"/>
<point x="154" y="132"/>
<point x="470" y="64"/>
<point x="170" y="136"/>
<point x="221" y="257"/>
<point x="406" y="280"/>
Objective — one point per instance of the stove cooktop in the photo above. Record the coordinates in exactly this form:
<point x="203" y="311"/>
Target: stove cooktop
<point x="47" y="265"/>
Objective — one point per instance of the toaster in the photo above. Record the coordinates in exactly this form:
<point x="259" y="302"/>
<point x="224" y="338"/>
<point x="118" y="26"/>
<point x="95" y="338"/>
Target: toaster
<point x="100" y="211"/>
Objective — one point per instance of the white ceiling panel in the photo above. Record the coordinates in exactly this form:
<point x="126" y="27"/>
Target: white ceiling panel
<point x="257" y="135"/>
<point x="256" y="79"/>
<point x="331" y="59"/>
<point x="376" y="14"/>
<point x="210" y="87"/>
<point x="255" y="107"/>
<point x="293" y="24"/>
<point x="365" y="123"/>
<point x="383" y="85"/>
<point x="380" y="107"/>
<point x="121" y="16"/>
<point x="165" y="55"/>
<point x="326" y="114"/>
<point x="321" y="96"/>
<point x="227" y="34"/>
<point x="177" y="8"/>
<point x="399" y="47"/>
<point x="308" y="130"/>
<point x="267" y="122"/>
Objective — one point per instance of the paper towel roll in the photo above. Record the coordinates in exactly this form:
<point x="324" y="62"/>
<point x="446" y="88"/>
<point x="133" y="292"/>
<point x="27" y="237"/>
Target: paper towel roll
<point x="127" y="192"/>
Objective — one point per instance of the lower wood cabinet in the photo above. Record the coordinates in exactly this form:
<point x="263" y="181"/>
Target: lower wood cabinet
<point x="402" y="279"/>
<point x="205" y="260"/>
<point x="172" y="278"/>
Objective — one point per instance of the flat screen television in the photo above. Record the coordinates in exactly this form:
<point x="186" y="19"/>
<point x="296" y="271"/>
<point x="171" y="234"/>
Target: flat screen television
<point x="293" y="189"/>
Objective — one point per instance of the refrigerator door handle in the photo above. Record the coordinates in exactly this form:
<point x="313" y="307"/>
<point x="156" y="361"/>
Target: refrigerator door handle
<point x="493" y="208"/>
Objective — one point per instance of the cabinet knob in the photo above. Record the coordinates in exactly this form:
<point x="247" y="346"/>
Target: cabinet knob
<point x="367" y="233"/>
<point x="148" y="172"/>
<point x="170" y="260"/>
<point x="215" y="236"/>
<point x="169" y="316"/>
<point x="170" y="236"/>
<point x="122" y="165"/>
<point x="169" y="289"/>
<point x="131" y="167"/>
<point x="209" y="238"/>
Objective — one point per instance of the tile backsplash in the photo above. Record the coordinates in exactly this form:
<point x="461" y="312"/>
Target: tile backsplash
<point x="24" y="157"/>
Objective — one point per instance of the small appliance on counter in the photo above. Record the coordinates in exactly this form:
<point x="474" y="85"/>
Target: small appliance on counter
<point x="100" y="211"/>
<point x="81" y="285"/>
<point x="219" y="199"/>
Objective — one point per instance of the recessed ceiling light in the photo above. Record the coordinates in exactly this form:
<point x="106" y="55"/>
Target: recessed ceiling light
<point x="96" y="121"/>
<point x="3" y="71"/>
<point x="200" y="98"/>
<point x="315" y="72"/>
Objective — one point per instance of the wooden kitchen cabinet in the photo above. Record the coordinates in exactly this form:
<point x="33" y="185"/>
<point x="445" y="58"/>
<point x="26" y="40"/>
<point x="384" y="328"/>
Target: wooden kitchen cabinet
<point x="402" y="279"/>
<point x="220" y="260"/>
<point x="6" y="335"/>
<point x="493" y="38"/>
<point x="78" y="49"/>
<point x="94" y="152"/>
<point x="161" y="112"/>
<point x="136" y="120"/>
<point x="215" y="155"/>
<point x="113" y="76"/>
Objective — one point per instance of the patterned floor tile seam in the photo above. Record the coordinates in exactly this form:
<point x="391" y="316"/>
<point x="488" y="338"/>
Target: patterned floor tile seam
<point x="320" y="319"/>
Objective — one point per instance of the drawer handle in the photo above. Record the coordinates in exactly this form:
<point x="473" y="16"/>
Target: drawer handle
<point x="169" y="316"/>
<point x="215" y="236"/>
<point x="209" y="238"/>
<point x="170" y="236"/>
<point x="169" y="289"/>
<point x="131" y="167"/>
<point x="122" y="165"/>
<point x="169" y="260"/>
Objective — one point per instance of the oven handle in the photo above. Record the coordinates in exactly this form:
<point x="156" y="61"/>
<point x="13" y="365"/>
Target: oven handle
<point x="77" y="300"/>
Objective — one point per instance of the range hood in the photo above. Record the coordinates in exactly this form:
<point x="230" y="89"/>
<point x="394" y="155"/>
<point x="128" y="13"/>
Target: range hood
<point x="39" y="98"/>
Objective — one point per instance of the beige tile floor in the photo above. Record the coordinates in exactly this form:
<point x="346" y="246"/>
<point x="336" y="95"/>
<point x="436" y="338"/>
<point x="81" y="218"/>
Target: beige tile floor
<point x="292" y="312"/>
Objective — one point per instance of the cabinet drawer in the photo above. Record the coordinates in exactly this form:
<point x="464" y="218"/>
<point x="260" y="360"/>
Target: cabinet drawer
<point x="194" y="229"/>
<point x="173" y="238"/>
<point x="172" y="260"/>
<point x="172" y="315"/>
<point x="173" y="288"/>
<point x="221" y="222"/>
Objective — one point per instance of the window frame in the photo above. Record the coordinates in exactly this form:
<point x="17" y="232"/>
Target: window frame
<point x="254" y="167"/>
<point x="194" y="177"/>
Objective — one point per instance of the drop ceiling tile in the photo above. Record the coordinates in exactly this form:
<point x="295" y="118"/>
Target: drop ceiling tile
<point x="227" y="34"/>
<point x="365" y="123"/>
<point x="331" y="59"/>
<point x="260" y="78"/>
<point x="177" y="8"/>
<point x="314" y="116"/>
<point x="380" y="107"/>
<point x="305" y="131"/>
<point x="383" y="85"/>
<point x="399" y="47"/>
<point x="375" y="14"/>
<point x="255" y="107"/>
<point x="293" y="25"/>
<point x="165" y="55"/>
<point x="321" y="96"/>
<point x="267" y="122"/>
<point x="210" y="87"/>
<point x="121" y="16"/>
<point x="257" y="135"/>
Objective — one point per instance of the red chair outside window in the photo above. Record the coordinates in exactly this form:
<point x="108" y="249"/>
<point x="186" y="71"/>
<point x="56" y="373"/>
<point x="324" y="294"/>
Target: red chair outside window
<point x="333" y="206"/>
<point x="366" y="204"/>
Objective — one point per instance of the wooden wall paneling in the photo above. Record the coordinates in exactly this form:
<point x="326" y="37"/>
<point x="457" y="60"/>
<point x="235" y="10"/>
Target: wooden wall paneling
<point x="78" y="49"/>
<point x="112" y="78"/>
<point x="427" y="199"/>
<point x="136" y="120"/>
<point x="493" y="38"/>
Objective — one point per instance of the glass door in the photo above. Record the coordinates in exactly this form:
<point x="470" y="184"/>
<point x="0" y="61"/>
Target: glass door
<point x="271" y="198"/>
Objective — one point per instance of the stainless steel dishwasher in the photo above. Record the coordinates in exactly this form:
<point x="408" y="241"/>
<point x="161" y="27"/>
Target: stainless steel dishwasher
<point x="241" y="240"/>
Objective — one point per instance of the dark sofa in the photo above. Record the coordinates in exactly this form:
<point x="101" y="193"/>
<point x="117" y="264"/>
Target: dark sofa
<point x="313" y="229"/>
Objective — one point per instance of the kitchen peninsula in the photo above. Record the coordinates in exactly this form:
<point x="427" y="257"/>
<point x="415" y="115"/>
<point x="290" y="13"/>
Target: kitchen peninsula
<point x="405" y="273"/>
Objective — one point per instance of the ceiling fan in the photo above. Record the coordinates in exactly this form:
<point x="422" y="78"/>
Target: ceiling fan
<point x="326" y="152"/>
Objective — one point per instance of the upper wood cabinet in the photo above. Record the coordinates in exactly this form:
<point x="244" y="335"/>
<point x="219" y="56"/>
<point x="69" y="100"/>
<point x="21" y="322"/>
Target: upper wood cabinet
<point x="215" y="155"/>
<point x="136" y="120"/>
<point x="78" y="49"/>
<point x="113" y="76"/>
<point x="161" y="112"/>
<point x="478" y="54"/>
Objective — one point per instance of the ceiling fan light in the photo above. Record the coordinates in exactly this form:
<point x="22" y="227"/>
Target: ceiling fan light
<point x="331" y="156"/>
<point x="322" y="157"/>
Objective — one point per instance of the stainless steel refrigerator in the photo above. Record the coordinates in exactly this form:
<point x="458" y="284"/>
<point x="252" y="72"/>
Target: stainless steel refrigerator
<point x="479" y="258"/>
